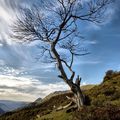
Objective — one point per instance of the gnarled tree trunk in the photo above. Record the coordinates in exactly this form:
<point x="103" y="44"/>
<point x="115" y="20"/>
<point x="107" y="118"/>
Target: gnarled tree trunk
<point x="75" y="87"/>
<point x="79" y="98"/>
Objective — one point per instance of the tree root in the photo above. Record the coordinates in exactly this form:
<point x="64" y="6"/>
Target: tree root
<point x="68" y="105"/>
<point x="64" y="107"/>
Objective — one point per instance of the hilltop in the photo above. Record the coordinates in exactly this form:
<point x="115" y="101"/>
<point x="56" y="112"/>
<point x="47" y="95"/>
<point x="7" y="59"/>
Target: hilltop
<point x="103" y="103"/>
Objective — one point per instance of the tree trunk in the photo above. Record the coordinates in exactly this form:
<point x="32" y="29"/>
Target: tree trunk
<point x="75" y="87"/>
<point x="79" y="99"/>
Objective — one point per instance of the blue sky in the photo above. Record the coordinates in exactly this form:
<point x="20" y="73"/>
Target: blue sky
<point x="24" y="78"/>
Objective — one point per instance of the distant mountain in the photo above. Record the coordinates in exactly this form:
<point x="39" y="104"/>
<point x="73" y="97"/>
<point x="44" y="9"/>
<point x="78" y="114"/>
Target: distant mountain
<point x="38" y="100"/>
<point x="4" y="107"/>
<point x="1" y="111"/>
<point x="56" y="93"/>
<point x="7" y="105"/>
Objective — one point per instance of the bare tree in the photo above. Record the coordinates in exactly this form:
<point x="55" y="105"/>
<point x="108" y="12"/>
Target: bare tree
<point x="56" y="25"/>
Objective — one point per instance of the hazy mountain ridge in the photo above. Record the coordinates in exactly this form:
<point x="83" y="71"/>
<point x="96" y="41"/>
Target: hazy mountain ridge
<point x="56" y="93"/>
<point x="1" y="111"/>
<point x="7" y="105"/>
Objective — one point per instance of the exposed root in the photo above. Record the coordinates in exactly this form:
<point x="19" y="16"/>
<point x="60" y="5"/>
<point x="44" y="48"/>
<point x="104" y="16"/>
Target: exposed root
<point x="64" y="107"/>
<point x="68" y="105"/>
<point x="72" y="99"/>
<point x="72" y="105"/>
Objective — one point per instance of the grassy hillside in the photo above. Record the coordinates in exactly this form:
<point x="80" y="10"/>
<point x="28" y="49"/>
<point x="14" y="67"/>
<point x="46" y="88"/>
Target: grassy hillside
<point x="103" y="103"/>
<point x="45" y="107"/>
<point x="107" y="93"/>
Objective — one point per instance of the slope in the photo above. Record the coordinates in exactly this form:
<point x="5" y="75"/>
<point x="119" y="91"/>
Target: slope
<point x="103" y="103"/>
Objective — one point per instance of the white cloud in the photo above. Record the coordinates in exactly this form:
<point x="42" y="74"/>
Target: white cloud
<point x="90" y="42"/>
<point x="16" y="96"/>
<point x="87" y="62"/>
<point x="5" y="15"/>
<point x="1" y="45"/>
<point x="26" y="89"/>
<point x="8" y="10"/>
<point x="11" y="81"/>
<point x="84" y="83"/>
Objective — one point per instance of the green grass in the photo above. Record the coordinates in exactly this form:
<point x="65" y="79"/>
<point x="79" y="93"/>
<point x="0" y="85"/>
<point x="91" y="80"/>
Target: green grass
<point x="103" y="103"/>
<point x="56" y="115"/>
<point x="107" y="93"/>
<point x="87" y="87"/>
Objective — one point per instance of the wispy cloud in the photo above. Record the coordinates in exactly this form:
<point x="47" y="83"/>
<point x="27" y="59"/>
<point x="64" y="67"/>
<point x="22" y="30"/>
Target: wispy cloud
<point x="107" y="18"/>
<point x="87" y="62"/>
<point x="26" y="89"/>
<point x="90" y="42"/>
<point x="21" y="77"/>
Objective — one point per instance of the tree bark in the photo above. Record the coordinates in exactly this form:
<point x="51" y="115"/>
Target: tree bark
<point x="75" y="87"/>
<point x="79" y="99"/>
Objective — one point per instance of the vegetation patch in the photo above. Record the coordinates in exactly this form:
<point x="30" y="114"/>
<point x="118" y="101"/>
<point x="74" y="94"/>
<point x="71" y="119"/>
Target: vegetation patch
<point x="102" y="103"/>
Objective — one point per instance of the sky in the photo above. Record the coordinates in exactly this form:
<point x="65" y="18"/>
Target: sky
<point x="22" y="78"/>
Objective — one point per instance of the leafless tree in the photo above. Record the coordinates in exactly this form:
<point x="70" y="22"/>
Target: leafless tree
<point x="56" y="25"/>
